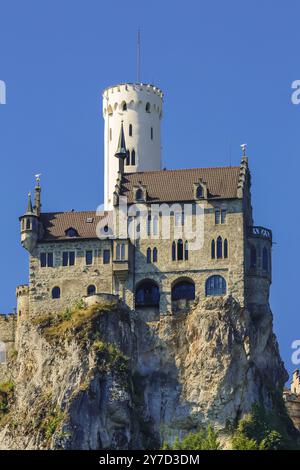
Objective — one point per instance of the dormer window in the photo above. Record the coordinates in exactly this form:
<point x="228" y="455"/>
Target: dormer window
<point x="140" y="194"/>
<point x="199" y="192"/>
<point x="71" y="232"/>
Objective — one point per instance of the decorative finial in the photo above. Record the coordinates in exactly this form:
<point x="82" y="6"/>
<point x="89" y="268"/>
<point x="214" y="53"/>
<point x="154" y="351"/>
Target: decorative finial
<point x="243" y="147"/>
<point x="38" y="179"/>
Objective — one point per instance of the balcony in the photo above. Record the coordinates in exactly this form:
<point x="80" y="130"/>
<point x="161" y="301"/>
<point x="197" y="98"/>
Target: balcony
<point x="260" y="232"/>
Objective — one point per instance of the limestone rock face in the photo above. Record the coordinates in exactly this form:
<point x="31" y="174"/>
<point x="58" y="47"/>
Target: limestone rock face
<point x="105" y="379"/>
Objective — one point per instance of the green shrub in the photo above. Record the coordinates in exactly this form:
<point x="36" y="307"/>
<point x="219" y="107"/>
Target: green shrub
<point x="204" y="439"/>
<point x="241" y="442"/>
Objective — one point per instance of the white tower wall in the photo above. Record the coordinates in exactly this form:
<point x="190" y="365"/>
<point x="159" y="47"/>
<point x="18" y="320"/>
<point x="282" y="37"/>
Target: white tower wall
<point x="140" y="106"/>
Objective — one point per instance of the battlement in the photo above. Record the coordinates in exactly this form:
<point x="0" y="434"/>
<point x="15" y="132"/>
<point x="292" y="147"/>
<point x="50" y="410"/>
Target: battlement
<point x="147" y="87"/>
<point x="22" y="290"/>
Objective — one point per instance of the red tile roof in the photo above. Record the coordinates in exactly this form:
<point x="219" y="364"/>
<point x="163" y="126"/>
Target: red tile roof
<point x="85" y="223"/>
<point x="177" y="185"/>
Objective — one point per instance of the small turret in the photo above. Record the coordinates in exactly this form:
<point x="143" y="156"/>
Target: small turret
<point x="121" y="152"/>
<point x="37" y="196"/>
<point x="29" y="227"/>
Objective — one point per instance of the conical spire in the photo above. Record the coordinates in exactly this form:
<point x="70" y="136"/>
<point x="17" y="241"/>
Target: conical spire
<point x="121" y="150"/>
<point x="29" y="209"/>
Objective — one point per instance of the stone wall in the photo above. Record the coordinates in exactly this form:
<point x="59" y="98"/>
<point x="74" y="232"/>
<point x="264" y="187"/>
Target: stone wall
<point x="72" y="280"/>
<point x="200" y="264"/>
<point x="7" y="340"/>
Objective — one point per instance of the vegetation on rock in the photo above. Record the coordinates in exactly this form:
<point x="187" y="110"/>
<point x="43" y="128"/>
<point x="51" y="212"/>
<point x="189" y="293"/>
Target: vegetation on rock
<point x="205" y="439"/>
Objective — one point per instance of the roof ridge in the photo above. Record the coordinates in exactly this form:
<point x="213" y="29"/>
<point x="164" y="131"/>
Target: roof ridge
<point x="183" y="169"/>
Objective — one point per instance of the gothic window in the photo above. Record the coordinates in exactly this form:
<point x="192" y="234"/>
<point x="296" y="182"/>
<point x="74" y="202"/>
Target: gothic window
<point x="148" y="255"/>
<point x="215" y="285"/>
<point x="148" y="108"/>
<point x="179" y="250"/>
<point x="106" y="256"/>
<point x="2" y="352"/>
<point x="183" y="290"/>
<point x="265" y="259"/>
<point x="186" y="250"/>
<point x="124" y="106"/>
<point x="27" y="224"/>
<point x="91" y="290"/>
<point x="219" y="248"/>
<point x="252" y="257"/>
<point x="213" y="249"/>
<point x="155" y="255"/>
<point x="130" y="130"/>
<point x="223" y="216"/>
<point x="56" y="293"/>
<point x="89" y="257"/>
<point x="173" y="251"/>
<point x="68" y="258"/>
<point x="217" y="216"/>
<point x="199" y="192"/>
<point x="225" y="248"/>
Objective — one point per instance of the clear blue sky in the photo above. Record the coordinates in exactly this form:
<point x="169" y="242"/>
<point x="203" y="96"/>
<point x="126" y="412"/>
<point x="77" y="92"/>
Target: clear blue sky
<point x="226" y="69"/>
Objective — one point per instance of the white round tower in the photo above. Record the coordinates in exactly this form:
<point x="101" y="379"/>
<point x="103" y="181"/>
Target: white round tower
<point x="139" y="106"/>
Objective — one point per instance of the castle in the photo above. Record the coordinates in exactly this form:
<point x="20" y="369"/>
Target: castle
<point x="165" y="239"/>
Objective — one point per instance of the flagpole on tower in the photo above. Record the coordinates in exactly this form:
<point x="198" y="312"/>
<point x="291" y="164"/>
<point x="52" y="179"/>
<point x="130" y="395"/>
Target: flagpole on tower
<point x="138" y="57"/>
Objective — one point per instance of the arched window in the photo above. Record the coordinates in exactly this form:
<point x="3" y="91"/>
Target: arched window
<point x="139" y="195"/>
<point x="109" y="110"/>
<point x="27" y="224"/>
<point x="2" y="352"/>
<point x="213" y="249"/>
<point x="133" y="157"/>
<point x="91" y="290"/>
<point x="124" y="106"/>
<point x="56" y="293"/>
<point x="179" y="250"/>
<point x="127" y="158"/>
<point x="155" y="255"/>
<point x="215" y="285"/>
<point x="147" y="294"/>
<point x="219" y="248"/>
<point x="225" y="248"/>
<point x="148" y="107"/>
<point x="148" y="255"/>
<point x="252" y="257"/>
<point x="130" y="130"/>
<point x="199" y="192"/>
<point x="173" y="251"/>
<point x="71" y="232"/>
<point x="265" y="259"/>
<point x="186" y="250"/>
<point x="217" y="216"/>
<point x="183" y="290"/>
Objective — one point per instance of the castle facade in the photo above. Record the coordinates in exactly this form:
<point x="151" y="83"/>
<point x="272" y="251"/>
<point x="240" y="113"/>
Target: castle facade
<point x="165" y="239"/>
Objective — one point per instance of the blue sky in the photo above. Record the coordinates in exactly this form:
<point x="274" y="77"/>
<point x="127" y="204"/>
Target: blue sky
<point x="226" y="69"/>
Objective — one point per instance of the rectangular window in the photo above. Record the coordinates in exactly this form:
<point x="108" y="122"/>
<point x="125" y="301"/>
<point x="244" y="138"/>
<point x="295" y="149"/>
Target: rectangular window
<point x="68" y="258"/>
<point x="223" y="216"/>
<point x="120" y="252"/>
<point x="151" y="133"/>
<point x="217" y="216"/>
<point x="106" y="256"/>
<point x="43" y="260"/>
<point x="46" y="260"/>
<point x="89" y="257"/>
<point x="110" y="134"/>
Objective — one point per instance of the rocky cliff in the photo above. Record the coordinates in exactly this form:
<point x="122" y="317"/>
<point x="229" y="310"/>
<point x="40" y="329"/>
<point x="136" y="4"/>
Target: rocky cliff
<point x="100" y="377"/>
